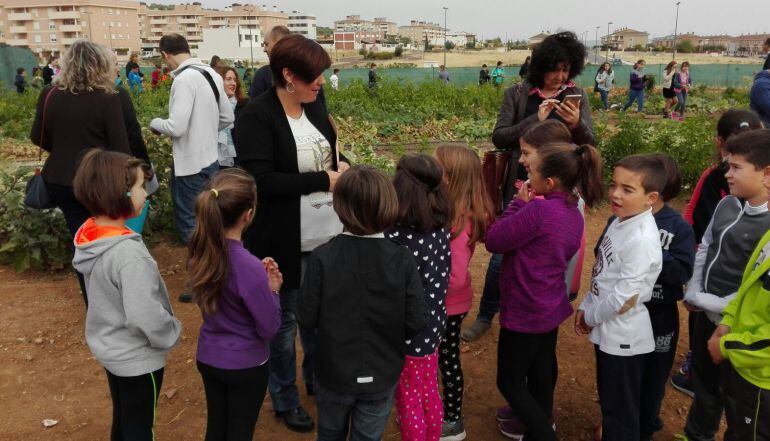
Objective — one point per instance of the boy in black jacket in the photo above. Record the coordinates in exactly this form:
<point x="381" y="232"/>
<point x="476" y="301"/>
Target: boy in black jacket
<point x="678" y="246"/>
<point x="363" y="296"/>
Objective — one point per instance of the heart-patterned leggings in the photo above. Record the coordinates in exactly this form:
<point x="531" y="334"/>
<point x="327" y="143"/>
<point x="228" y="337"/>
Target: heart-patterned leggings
<point x="451" y="369"/>
<point x="418" y="402"/>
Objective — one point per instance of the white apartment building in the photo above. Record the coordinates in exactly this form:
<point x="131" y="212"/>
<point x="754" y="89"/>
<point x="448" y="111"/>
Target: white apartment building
<point x="302" y="23"/>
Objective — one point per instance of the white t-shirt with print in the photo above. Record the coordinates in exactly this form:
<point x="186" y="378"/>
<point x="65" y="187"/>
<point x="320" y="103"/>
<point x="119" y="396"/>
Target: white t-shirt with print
<point x="335" y="80"/>
<point x="318" y="221"/>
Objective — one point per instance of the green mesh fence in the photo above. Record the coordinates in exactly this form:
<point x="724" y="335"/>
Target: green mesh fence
<point x="12" y="58"/>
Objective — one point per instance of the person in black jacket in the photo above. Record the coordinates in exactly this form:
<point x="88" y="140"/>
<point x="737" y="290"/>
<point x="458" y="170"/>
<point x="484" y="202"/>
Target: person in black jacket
<point x="287" y="142"/>
<point x="263" y="77"/>
<point x="48" y="70"/>
<point x="20" y="82"/>
<point x="524" y="69"/>
<point x="363" y="295"/>
<point x="484" y="75"/>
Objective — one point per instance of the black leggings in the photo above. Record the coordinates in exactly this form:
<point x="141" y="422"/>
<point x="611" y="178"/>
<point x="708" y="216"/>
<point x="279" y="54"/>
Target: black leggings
<point x="526" y="378"/>
<point x="451" y="368"/>
<point x="233" y="400"/>
<point x="134" y="401"/>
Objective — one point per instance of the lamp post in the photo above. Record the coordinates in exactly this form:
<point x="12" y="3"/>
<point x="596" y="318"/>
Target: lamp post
<point x="607" y="57"/>
<point x="110" y="28"/>
<point x="676" y="25"/>
<point x="251" y="39"/>
<point x="596" y="38"/>
<point x="445" y="9"/>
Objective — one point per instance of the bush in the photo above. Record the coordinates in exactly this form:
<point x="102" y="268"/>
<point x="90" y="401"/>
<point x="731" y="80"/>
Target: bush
<point x="399" y="51"/>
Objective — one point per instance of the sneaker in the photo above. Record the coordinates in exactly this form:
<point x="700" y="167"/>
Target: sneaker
<point x="296" y="420"/>
<point x="474" y="331"/>
<point x="505" y="413"/>
<point x="683" y="383"/>
<point x="186" y="297"/>
<point x="453" y="431"/>
<point x="513" y="429"/>
<point x="684" y="369"/>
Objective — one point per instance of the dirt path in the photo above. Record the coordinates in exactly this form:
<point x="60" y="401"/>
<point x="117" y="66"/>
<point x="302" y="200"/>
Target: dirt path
<point x="47" y="371"/>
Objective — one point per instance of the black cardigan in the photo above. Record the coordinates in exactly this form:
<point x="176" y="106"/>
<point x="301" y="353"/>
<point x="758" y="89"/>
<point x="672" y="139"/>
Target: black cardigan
<point x="265" y="148"/>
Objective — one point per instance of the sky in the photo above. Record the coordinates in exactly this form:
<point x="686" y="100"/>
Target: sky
<point x="521" y="19"/>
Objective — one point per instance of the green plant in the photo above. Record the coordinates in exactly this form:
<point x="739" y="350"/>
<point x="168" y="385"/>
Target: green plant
<point x="29" y="238"/>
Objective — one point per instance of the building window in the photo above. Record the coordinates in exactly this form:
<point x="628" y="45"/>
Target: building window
<point x="36" y="25"/>
<point x="109" y="11"/>
<point x="38" y="39"/>
<point x="117" y="12"/>
<point x="53" y="38"/>
<point x="51" y="26"/>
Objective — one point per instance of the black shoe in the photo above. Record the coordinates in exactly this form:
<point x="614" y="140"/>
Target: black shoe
<point x="310" y="389"/>
<point x="683" y="383"/>
<point x="186" y="297"/>
<point x="297" y="420"/>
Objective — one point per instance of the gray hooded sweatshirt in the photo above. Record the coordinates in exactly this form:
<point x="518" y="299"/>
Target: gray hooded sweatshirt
<point x="129" y="324"/>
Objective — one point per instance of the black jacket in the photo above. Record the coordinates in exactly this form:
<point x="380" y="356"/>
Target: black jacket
<point x="133" y="129"/>
<point x="47" y="75"/>
<point x="265" y="148"/>
<point x="365" y="298"/>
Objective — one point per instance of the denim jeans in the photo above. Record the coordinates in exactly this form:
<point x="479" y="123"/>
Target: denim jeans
<point x="75" y="215"/>
<point x="283" y="356"/>
<point x="490" y="297"/>
<point x="681" y="98"/>
<point x="635" y="95"/>
<point x="362" y="416"/>
<point x="184" y="191"/>
<point x="605" y="94"/>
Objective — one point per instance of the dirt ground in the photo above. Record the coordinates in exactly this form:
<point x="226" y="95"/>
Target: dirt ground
<point x="47" y="371"/>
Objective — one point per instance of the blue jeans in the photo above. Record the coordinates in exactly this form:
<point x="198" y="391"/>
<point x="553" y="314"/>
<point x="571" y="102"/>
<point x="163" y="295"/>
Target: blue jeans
<point x="490" y="298"/>
<point x="681" y="98"/>
<point x="184" y="191"/>
<point x="605" y="94"/>
<point x="283" y="357"/>
<point x="635" y="95"/>
<point x="362" y="416"/>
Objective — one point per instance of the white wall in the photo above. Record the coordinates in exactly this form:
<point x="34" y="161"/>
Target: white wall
<point x="226" y="43"/>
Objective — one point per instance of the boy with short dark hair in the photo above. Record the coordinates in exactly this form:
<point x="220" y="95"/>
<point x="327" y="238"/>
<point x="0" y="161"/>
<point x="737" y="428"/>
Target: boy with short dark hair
<point x="20" y="82"/>
<point x="628" y="262"/>
<point x="734" y="231"/>
<point x="742" y="337"/>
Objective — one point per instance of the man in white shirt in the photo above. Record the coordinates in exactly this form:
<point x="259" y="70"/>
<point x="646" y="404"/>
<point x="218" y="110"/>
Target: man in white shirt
<point x="198" y="108"/>
<point x="335" y="79"/>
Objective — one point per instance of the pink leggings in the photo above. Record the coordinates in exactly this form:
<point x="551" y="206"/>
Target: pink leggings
<point x="420" y="412"/>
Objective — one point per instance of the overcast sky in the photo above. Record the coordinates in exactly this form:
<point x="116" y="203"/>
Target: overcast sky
<point x="521" y="19"/>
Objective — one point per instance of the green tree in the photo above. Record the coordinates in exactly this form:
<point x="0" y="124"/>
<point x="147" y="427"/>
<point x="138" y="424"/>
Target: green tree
<point x="449" y="45"/>
<point x="405" y="40"/>
<point x="685" y="47"/>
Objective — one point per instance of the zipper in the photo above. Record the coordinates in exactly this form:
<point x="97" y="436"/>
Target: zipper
<point x="719" y="247"/>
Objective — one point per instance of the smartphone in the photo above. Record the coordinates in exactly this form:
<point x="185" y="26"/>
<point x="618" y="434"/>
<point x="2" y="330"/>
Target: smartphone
<point x="574" y="99"/>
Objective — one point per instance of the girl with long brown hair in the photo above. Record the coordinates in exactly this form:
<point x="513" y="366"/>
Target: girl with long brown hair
<point x="237" y="294"/>
<point x="238" y="99"/>
<point x="669" y="95"/>
<point x="472" y="213"/>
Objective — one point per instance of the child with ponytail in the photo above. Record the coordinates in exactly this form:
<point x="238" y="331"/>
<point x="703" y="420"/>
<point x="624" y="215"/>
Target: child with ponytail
<point x="238" y="297"/>
<point x="422" y="227"/>
<point x="537" y="238"/>
<point x="472" y="213"/>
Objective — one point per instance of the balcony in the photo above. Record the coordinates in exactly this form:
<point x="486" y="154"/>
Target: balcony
<point x="187" y="20"/>
<point x="63" y="15"/>
<point x="248" y="22"/>
<point x="156" y="30"/>
<point x="18" y="29"/>
<point x="158" y="21"/>
<point x="20" y="16"/>
<point x="17" y="42"/>
<point x="68" y="41"/>
<point x="153" y="37"/>
<point x="194" y="38"/>
<point x="218" y="22"/>
<point x="71" y="28"/>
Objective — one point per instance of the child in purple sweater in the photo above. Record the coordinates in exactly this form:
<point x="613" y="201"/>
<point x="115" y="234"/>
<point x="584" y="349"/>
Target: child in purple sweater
<point x="537" y="238"/>
<point x="238" y="296"/>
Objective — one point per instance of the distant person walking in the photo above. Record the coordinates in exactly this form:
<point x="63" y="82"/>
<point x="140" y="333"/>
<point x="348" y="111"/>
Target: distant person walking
<point x="443" y="74"/>
<point x="335" y="79"/>
<point x="498" y="75"/>
<point x="20" y="82"/>
<point x="636" y="87"/>
<point x="524" y="69"/>
<point x="681" y="85"/>
<point x="373" y="76"/>
<point x="484" y="76"/>
<point x="604" y="79"/>
<point x="668" y="90"/>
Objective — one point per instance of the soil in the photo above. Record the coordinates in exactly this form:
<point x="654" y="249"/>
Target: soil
<point x="47" y="371"/>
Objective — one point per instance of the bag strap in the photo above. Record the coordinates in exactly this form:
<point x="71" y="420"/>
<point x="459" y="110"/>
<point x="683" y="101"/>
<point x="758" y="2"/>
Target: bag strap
<point x="207" y="75"/>
<point x="42" y="125"/>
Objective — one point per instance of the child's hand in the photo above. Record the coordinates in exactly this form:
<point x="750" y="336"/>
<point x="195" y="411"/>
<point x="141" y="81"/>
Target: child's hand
<point x="274" y="276"/>
<point x="581" y="328"/>
<point x="713" y="344"/>
<point x="525" y="192"/>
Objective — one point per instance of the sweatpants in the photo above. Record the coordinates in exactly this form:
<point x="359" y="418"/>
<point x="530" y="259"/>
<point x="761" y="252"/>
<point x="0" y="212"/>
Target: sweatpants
<point x="525" y="378"/>
<point x="418" y="403"/>
<point x="747" y="408"/>
<point x="619" y="382"/>
<point x="134" y="403"/>
<point x="451" y="369"/>
<point x="233" y="400"/>
<point x="657" y="366"/>
<point x="708" y="403"/>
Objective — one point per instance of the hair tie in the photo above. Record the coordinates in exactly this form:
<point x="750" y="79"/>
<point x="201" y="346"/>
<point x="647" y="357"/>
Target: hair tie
<point x="419" y="181"/>
<point x="216" y="193"/>
<point x="744" y="125"/>
<point x="580" y="150"/>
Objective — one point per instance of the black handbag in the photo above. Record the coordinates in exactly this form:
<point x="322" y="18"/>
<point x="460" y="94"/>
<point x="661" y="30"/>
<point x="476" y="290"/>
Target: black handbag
<point x="36" y="194"/>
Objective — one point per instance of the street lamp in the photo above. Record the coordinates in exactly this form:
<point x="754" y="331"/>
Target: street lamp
<point x="251" y="39"/>
<point x="607" y="57"/>
<point x="596" y="38"/>
<point x="676" y="24"/>
<point x="445" y="9"/>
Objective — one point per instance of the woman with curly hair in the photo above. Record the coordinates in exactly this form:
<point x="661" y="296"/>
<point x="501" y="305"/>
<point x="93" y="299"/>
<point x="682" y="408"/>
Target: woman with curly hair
<point x="555" y="63"/>
<point x="81" y="110"/>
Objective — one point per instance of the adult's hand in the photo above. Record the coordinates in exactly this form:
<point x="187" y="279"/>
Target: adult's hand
<point x="343" y="167"/>
<point x="155" y="132"/>
<point x="545" y="109"/>
<point x="333" y="176"/>
<point x="570" y="113"/>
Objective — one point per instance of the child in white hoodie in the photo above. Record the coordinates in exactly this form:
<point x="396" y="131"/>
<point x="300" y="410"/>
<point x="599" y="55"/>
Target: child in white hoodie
<point x="628" y="261"/>
<point x="129" y="324"/>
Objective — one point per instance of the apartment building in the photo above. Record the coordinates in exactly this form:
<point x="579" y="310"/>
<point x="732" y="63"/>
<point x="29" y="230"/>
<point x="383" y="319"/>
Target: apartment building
<point x="48" y="27"/>
<point x="750" y="45"/>
<point x="302" y="23"/>
<point x="625" y="38"/>
<point x="420" y="31"/>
